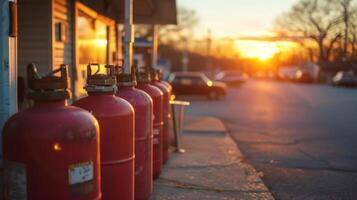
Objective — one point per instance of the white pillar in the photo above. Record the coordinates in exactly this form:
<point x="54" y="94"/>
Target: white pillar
<point x="8" y="68"/>
<point x="129" y="36"/>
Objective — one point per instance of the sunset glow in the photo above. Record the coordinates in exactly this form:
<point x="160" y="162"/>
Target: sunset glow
<point x="262" y="50"/>
<point x="257" y="49"/>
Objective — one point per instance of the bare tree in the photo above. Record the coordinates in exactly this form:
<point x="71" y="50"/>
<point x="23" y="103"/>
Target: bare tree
<point x="173" y="34"/>
<point x="187" y="21"/>
<point x="314" y="19"/>
<point x="346" y="6"/>
<point x="353" y="34"/>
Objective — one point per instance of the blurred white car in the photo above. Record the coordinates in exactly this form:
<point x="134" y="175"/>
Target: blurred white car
<point x="232" y="78"/>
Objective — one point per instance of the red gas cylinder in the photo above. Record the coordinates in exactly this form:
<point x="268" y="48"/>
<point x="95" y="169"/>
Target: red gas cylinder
<point x="157" y="97"/>
<point x="116" y="121"/>
<point x="143" y="107"/>
<point x="168" y="85"/>
<point x="51" y="151"/>
<point x="166" y="113"/>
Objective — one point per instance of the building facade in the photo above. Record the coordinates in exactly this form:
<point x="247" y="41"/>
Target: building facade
<point x="55" y="32"/>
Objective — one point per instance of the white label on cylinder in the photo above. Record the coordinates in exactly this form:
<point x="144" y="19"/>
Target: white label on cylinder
<point x="15" y="185"/>
<point x="156" y="140"/>
<point x="80" y="173"/>
<point x="156" y="136"/>
<point x="156" y="132"/>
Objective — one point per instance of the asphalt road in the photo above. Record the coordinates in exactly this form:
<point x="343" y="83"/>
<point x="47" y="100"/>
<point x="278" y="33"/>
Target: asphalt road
<point x="302" y="137"/>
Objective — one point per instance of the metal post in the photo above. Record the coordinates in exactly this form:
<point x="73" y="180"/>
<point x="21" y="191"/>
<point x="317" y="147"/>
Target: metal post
<point x="177" y="122"/>
<point x="129" y="36"/>
<point x="155" y="44"/>
<point x="181" y="120"/>
<point x="176" y="130"/>
<point x="8" y="66"/>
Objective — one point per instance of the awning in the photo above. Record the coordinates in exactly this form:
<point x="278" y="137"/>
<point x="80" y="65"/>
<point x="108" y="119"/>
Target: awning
<point x="160" y="12"/>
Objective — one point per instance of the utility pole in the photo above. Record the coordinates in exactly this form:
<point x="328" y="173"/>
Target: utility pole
<point x="208" y="52"/>
<point x="185" y="57"/>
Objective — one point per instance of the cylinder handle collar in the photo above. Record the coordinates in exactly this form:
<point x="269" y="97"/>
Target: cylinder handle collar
<point x="101" y="82"/>
<point x="48" y="87"/>
<point x="125" y="79"/>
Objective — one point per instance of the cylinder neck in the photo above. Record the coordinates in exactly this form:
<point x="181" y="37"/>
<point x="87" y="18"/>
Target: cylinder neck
<point x="126" y="86"/>
<point x="126" y="80"/>
<point x="94" y="93"/>
<point x="55" y="103"/>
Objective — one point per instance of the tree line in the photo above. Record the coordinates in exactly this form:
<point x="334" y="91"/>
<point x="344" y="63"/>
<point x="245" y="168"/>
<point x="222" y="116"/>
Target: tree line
<point x="328" y="26"/>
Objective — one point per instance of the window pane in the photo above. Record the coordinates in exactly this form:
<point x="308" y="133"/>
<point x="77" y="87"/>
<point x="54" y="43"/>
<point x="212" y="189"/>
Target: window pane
<point x="92" y="41"/>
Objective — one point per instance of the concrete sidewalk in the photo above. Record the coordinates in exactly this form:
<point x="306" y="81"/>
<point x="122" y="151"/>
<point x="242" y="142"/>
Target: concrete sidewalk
<point x="211" y="168"/>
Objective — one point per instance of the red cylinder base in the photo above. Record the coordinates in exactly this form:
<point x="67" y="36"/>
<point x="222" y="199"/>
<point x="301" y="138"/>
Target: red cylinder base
<point x="51" y="151"/>
<point x="157" y="97"/>
<point x="116" y="122"/>
<point x="143" y="107"/>
<point x="166" y="118"/>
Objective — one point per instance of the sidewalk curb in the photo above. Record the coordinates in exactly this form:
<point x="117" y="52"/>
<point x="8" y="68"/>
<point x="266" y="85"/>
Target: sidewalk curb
<point x="204" y="125"/>
<point x="212" y="167"/>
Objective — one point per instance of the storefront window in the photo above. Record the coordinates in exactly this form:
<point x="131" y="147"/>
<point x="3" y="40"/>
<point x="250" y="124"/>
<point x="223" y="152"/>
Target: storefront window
<point x="92" y="47"/>
<point x="92" y="40"/>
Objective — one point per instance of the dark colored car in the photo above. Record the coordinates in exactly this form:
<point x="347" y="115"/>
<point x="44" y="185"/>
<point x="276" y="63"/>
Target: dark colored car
<point x="344" y="78"/>
<point x="303" y="76"/>
<point x="231" y="78"/>
<point x="196" y="83"/>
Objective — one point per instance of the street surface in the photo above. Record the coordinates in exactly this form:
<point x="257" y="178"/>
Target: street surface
<point x="303" y="138"/>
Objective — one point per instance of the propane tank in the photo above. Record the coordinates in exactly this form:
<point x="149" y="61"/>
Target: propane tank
<point x="157" y="97"/>
<point x="116" y="121"/>
<point x="166" y="113"/>
<point x="143" y="107"/>
<point x="161" y="80"/>
<point x="51" y="151"/>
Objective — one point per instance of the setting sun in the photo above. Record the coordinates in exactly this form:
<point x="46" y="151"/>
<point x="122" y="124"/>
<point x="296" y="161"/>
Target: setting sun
<point x="261" y="50"/>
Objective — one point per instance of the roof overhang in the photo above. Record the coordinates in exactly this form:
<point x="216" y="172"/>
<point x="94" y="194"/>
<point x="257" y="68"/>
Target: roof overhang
<point x="153" y="12"/>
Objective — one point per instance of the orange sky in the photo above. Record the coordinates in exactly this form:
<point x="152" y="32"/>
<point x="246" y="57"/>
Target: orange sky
<point x="263" y="50"/>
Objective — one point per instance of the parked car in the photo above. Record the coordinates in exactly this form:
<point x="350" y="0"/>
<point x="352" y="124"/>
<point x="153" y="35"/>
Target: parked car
<point x="303" y="76"/>
<point x="231" y="78"/>
<point x="196" y="83"/>
<point x="344" y="78"/>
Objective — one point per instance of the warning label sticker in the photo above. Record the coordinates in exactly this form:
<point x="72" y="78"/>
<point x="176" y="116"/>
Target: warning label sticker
<point x="80" y="173"/>
<point x="156" y="132"/>
<point x="81" y="178"/>
<point x="15" y="181"/>
<point x="156" y="136"/>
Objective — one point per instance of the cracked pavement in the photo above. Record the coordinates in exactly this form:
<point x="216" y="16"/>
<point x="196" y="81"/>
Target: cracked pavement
<point x="301" y="137"/>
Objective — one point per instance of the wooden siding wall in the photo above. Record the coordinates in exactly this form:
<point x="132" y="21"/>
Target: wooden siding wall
<point x="34" y="41"/>
<point x="63" y="51"/>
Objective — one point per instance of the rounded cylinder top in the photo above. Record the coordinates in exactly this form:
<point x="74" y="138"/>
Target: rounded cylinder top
<point x="143" y="77"/>
<point x="125" y="79"/>
<point x="49" y="87"/>
<point x="154" y="75"/>
<point x="100" y="82"/>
